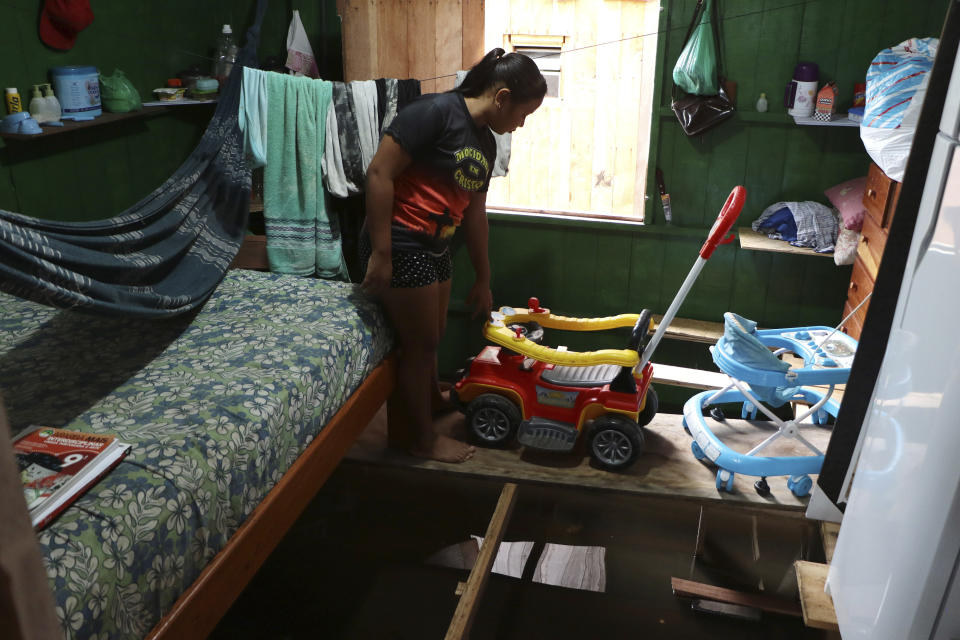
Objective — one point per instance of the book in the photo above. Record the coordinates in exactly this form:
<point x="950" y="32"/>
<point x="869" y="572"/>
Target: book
<point x="57" y="466"/>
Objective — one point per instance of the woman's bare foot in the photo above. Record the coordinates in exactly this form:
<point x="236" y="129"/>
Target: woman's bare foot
<point x="444" y="449"/>
<point x="440" y="403"/>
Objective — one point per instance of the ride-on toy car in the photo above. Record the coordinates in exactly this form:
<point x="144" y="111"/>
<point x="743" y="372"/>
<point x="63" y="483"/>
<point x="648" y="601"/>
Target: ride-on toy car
<point x="549" y="397"/>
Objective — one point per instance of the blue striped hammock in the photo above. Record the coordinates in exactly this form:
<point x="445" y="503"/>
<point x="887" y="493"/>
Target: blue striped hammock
<point x="161" y="257"/>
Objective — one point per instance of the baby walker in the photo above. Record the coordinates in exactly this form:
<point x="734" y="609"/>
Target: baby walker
<point x="758" y="377"/>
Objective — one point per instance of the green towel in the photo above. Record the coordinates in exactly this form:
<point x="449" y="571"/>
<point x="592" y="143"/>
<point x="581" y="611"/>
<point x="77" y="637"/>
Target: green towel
<point x="301" y="238"/>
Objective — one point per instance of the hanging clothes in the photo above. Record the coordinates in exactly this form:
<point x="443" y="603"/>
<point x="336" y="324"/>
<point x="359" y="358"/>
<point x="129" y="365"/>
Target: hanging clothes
<point x="161" y="257"/>
<point x="363" y="100"/>
<point x="302" y="238"/>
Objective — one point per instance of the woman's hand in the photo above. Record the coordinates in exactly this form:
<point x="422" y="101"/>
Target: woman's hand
<point x="379" y="273"/>
<point x="480" y="298"/>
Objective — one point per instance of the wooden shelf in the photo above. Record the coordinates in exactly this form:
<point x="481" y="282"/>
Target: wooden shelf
<point x="750" y="239"/>
<point x="842" y="121"/>
<point x="744" y="116"/>
<point x="105" y="118"/>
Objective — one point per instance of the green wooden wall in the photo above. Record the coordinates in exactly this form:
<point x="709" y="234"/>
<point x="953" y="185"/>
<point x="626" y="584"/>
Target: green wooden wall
<point x="585" y="268"/>
<point x="96" y="173"/>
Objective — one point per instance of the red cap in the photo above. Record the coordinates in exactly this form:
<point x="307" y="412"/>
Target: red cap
<point x="62" y="20"/>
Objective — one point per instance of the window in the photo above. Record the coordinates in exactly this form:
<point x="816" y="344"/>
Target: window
<point x="584" y="151"/>
<point x="548" y="59"/>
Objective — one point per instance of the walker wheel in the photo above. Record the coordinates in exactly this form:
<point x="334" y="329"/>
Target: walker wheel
<point x="685" y="427"/>
<point x="748" y="411"/>
<point x="717" y="414"/>
<point x="697" y="451"/>
<point x="724" y="480"/>
<point x="763" y="489"/>
<point x="800" y="485"/>
<point x="820" y="417"/>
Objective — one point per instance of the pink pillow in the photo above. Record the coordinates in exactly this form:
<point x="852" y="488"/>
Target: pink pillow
<point x="847" y="198"/>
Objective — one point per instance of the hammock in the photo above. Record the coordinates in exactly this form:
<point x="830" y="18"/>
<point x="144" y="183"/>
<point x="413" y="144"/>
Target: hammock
<point x="163" y="256"/>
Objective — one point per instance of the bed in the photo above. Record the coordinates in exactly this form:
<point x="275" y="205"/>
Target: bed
<point x="236" y="415"/>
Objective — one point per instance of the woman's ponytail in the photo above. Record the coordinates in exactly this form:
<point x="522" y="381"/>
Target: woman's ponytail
<point x="514" y="71"/>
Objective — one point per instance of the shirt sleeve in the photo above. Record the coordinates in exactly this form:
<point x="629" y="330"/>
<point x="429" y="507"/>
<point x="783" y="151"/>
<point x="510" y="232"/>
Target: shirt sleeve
<point x="417" y="126"/>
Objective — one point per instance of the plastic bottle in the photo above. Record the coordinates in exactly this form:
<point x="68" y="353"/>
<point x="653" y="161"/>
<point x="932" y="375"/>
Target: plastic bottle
<point x="224" y="42"/>
<point x="38" y="105"/>
<point x="14" y="105"/>
<point x="52" y="104"/>
<point x="762" y="103"/>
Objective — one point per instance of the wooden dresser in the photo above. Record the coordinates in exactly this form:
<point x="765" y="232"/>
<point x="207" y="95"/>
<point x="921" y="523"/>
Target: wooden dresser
<point x="880" y="201"/>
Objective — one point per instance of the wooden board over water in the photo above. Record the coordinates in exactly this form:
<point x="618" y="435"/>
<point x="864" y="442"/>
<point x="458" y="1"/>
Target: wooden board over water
<point x="667" y="467"/>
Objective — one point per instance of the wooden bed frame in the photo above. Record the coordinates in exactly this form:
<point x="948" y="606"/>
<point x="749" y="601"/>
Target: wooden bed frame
<point x="198" y="610"/>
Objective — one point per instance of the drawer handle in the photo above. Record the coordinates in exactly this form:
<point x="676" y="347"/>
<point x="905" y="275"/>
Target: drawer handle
<point x="871" y="193"/>
<point x="853" y="286"/>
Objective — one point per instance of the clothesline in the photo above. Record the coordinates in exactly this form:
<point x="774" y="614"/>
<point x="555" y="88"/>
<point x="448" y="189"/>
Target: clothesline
<point x="601" y="44"/>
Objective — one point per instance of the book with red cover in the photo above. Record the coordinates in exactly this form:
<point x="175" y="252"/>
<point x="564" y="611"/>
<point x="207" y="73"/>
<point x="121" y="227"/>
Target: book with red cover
<point x="57" y="466"/>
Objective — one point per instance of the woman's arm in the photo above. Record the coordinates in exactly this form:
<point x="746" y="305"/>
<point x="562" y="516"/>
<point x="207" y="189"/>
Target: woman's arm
<point x="388" y="163"/>
<point x="475" y="225"/>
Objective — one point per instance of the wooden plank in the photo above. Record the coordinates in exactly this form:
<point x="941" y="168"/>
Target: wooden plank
<point x="421" y="43"/>
<point x="689" y="378"/>
<point x="473" y="19"/>
<point x="665" y="469"/>
<point x="470" y="600"/>
<point x="360" y="38"/>
<point x="815" y="602"/>
<point x="197" y="611"/>
<point x="690" y="589"/>
<point x="754" y="241"/>
<point x="449" y="43"/>
<point x="391" y="28"/>
<point x="829" y="531"/>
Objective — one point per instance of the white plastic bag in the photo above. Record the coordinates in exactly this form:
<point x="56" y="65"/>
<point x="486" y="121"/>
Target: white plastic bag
<point x="896" y="85"/>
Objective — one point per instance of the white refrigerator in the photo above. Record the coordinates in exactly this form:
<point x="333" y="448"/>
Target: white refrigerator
<point x="894" y="573"/>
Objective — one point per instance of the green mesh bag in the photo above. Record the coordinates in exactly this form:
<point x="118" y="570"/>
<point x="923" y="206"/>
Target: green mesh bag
<point x="117" y="93"/>
<point x="696" y="68"/>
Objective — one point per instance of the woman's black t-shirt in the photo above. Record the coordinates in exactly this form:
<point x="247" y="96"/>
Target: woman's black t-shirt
<point x="452" y="158"/>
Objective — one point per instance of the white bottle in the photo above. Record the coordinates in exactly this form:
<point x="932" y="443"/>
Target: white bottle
<point x="53" y="109"/>
<point x="38" y="106"/>
<point x="762" y="103"/>
<point x="224" y="42"/>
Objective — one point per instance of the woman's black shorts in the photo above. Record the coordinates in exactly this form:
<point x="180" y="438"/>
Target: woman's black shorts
<point x="412" y="268"/>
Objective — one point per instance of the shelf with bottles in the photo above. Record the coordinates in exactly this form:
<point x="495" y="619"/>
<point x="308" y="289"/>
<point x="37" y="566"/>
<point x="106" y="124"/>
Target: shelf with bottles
<point x="104" y="118"/>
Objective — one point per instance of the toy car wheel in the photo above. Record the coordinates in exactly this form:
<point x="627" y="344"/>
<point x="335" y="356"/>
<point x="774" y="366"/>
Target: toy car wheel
<point x="649" y="408"/>
<point x="615" y="442"/>
<point x="492" y="419"/>
<point x="532" y="331"/>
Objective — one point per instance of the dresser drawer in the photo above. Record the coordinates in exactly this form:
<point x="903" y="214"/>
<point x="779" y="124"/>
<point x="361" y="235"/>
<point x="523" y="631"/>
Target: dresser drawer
<point x="872" y="241"/>
<point x="853" y="327"/>
<point x="880" y="196"/>
<point x="875" y="194"/>
<point x="861" y="284"/>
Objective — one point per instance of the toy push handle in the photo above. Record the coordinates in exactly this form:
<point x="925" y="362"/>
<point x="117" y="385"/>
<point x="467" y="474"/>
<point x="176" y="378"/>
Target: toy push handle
<point x="728" y="215"/>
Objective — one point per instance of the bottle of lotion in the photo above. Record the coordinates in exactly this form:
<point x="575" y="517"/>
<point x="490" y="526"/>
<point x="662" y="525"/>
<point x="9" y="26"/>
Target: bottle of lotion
<point x="52" y="104"/>
<point x="38" y="106"/>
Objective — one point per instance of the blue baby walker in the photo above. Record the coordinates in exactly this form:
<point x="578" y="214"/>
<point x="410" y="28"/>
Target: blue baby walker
<point x="758" y="377"/>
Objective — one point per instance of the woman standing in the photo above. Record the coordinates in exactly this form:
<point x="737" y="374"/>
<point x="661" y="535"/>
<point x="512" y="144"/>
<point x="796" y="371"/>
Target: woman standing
<point x="429" y="175"/>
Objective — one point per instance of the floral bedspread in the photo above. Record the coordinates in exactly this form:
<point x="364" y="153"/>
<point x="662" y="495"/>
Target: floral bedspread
<point x="217" y="407"/>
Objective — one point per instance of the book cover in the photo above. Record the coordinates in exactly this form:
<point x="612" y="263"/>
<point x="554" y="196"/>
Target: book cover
<point x="57" y="466"/>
